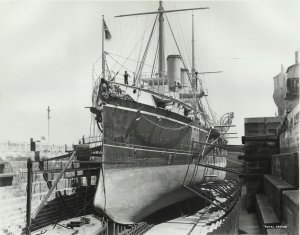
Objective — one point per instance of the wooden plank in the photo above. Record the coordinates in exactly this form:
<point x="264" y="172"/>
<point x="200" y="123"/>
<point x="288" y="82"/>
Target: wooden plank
<point x="259" y="138"/>
<point x="265" y="212"/>
<point x="250" y="176"/>
<point x="255" y="157"/>
<point x="67" y="170"/>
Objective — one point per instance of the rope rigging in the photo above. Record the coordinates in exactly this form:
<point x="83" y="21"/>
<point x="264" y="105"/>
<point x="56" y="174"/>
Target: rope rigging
<point x="142" y="36"/>
<point x="199" y="103"/>
<point x="124" y="41"/>
<point x="155" y="58"/>
<point x="138" y="61"/>
<point x="145" y="53"/>
<point x="181" y="33"/>
<point x="122" y="65"/>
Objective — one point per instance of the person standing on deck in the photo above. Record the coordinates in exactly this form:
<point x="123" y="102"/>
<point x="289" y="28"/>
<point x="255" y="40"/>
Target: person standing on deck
<point x="126" y="75"/>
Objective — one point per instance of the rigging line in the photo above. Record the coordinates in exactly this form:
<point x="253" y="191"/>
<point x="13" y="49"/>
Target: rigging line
<point x="109" y="71"/>
<point x="199" y="103"/>
<point x="122" y="65"/>
<point x="139" y="56"/>
<point x="206" y="100"/>
<point x="97" y="61"/>
<point x="146" y="51"/>
<point x="124" y="41"/>
<point x="91" y="123"/>
<point x="127" y="58"/>
<point x="95" y="73"/>
<point x="180" y="27"/>
<point x="134" y="47"/>
<point x="93" y="84"/>
<point x="207" y="39"/>
<point x="208" y="105"/>
<point x="155" y="58"/>
<point x="235" y="162"/>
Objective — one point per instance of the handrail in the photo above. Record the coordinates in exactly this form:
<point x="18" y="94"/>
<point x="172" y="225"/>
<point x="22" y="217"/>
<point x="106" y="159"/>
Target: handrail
<point x="52" y="187"/>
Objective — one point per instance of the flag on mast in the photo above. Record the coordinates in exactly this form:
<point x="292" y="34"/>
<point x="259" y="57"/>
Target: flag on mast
<point x="106" y="31"/>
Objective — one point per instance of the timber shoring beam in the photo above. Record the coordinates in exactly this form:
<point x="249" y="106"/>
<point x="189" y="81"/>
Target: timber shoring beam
<point x="219" y="168"/>
<point x="206" y="197"/>
<point x="220" y="146"/>
<point x="53" y="187"/>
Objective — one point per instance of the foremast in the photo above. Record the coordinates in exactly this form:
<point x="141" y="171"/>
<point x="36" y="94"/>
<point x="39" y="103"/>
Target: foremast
<point x="103" y="51"/>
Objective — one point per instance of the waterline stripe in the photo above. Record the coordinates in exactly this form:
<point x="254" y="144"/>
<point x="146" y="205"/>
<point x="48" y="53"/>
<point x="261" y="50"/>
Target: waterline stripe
<point x="147" y="150"/>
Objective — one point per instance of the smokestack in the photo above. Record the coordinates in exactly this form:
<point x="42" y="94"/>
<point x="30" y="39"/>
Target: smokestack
<point x="296" y="57"/>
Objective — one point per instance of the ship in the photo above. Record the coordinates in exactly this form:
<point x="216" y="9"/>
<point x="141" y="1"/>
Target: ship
<point x="157" y="134"/>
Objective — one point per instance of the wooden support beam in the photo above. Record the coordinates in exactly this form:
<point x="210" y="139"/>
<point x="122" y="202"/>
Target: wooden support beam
<point x="96" y="154"/>
<point x="202" y="195"/>
<point x="53" y="187"/>
<point x="219" y="146"/>
<point x="68" y="170"/>
<point x="259" y="138"/>
<point x="219" y="168"/>
<point x="29" y="197"/>
<point x="250" y="176"/>
<point x="255" y="157"/>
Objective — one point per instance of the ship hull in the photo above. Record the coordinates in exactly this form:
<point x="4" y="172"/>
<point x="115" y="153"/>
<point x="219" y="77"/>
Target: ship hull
<point x="129" y="195"/>
<point x="146" y="159"/>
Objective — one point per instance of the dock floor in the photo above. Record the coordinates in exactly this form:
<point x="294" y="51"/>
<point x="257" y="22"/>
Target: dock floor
<point x="248" y="222"/>
<point x="93" y="227"/>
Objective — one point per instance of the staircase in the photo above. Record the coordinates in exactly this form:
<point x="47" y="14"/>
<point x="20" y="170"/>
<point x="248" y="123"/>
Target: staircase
<point x="272" y="178"/>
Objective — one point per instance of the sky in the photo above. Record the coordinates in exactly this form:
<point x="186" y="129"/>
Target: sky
<point x="49" y="50"/>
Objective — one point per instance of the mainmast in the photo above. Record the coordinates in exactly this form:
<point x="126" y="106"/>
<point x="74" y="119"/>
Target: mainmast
<point x="161" y="41"/>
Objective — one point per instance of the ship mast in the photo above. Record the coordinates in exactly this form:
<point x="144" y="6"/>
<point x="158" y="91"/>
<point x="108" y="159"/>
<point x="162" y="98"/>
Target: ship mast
<point x="193" y="55"/>
<point x="103" y="52"/>
<point x="161" y="37"/>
